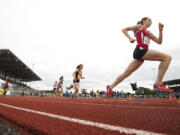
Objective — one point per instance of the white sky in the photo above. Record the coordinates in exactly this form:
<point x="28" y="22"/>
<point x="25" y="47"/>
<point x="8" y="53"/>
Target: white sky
<point x="57" y="35"/>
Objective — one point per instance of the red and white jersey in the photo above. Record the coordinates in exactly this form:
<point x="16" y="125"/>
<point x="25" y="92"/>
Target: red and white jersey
<point x="143" y="38"/>
<point x="6" y="85"/>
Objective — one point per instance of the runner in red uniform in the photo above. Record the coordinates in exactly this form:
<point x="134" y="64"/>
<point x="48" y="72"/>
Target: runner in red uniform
<point x="5" y="87"/>
<point x="142" y="52"/>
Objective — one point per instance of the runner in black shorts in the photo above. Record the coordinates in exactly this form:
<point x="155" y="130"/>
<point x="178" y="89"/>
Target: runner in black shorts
<point x="76" y="81"/>
<point x="138" y="53"/>
<point x="142" y="52"/>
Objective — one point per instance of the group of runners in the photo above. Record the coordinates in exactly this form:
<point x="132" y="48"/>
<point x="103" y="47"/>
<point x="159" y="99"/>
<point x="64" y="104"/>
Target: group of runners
<point x="141" y="53"/>
<point x="77" y="75"/>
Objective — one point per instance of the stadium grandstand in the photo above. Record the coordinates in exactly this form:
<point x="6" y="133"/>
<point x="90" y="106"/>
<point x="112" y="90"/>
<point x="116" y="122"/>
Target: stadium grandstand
<point x="173" y="84"/>
<point x="17" y="72"/>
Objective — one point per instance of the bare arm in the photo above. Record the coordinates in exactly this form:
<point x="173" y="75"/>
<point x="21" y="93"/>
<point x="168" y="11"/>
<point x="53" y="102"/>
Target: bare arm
<point x="81" y="75"/>
<point x="74" y="74"/>
<point x="158" y="40"/>
<point x="133" y="28"/>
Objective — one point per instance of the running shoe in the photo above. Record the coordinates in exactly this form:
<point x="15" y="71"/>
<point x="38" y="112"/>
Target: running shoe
<point x="162" y="87"/>
<point x="108" y="90"/>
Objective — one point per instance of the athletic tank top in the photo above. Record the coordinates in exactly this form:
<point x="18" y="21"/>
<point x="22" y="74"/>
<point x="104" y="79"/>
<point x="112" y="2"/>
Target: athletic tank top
<point x="76" y="75"/>
<point x="6" y="85"/>
<point x="61" y="82"/>
<point x="143" y="38"/>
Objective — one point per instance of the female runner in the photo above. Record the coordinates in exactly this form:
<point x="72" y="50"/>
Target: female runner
<point x="142" y="52"/>
<point x="77" y="76"/>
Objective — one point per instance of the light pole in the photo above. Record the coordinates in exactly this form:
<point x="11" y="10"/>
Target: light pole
<point x="32" y="71"/>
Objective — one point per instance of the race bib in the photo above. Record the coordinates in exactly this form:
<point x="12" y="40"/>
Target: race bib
<point x="146" y="40"/>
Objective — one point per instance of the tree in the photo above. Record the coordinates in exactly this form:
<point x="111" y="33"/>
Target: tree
<point x="146" y="91"/>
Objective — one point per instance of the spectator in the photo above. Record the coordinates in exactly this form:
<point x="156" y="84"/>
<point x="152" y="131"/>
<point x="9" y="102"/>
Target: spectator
<point x="41" y="93"/>
<point x="91" y="93"/>
<point x="22" y="94"/>
<point x="94" y="94"/>
<point x="5" y="87"/>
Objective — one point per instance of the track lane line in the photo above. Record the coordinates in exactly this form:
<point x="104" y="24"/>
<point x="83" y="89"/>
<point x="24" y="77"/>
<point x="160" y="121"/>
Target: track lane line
<point x="87" y="123"/>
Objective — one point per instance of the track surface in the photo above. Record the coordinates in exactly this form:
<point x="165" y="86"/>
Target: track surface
<point x="53" y="116"/>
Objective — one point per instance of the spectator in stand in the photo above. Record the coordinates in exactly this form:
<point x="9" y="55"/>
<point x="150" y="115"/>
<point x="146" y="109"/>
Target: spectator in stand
<point x="91" y="93"/>
<point x="94" y="94"/>
<point x="5" y="87"/>
<point x="22" y="94"/>
<point x="41" y="93"/>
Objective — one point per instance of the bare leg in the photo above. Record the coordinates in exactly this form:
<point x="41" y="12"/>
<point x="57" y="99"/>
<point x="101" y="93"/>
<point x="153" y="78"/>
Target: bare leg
<point x="57" y="94"/>
<point x="134" y="65"/>
<point x="54" y="93"/>
<point x="165" y="59"/>
<point x="61" y="91"/>
<point x="76" y="87"/>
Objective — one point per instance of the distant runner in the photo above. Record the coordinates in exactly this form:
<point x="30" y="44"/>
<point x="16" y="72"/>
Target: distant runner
<point x="59" y="86"/>
<point x="77" y="76"/>
<point x="55" y="88"/>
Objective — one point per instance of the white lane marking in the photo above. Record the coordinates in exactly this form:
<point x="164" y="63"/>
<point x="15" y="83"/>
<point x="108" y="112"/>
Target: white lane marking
<point x="107" y="105"/>
<point x="88" y="123"/>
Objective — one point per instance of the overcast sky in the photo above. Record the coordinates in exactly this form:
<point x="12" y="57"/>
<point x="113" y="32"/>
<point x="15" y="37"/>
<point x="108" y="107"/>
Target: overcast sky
<point x="57" y="35"/>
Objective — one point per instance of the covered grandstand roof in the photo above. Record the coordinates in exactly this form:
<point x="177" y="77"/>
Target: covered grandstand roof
<point x="172" y="82"/>
<point x="12" y="67"/>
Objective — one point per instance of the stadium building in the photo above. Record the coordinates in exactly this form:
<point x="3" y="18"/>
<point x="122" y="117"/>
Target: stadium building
<point x="173" y="84"/>
<point x="17" y="73"/>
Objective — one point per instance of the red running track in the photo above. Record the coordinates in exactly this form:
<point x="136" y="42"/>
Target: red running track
<point x="45" y="116"/>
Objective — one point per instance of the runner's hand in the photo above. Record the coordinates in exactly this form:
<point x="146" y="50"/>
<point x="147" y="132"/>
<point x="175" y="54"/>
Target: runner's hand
<point x="132" y="40"/>
<point x="161" y="26"/>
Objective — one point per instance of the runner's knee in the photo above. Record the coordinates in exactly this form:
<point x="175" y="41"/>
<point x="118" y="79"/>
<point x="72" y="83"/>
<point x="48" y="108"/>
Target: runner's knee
<point x="168" y="58"/>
